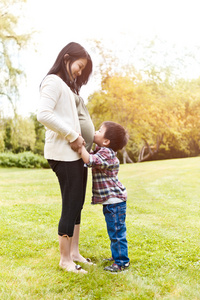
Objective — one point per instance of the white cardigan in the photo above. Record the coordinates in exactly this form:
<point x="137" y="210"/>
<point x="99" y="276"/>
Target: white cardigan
<point x="57" y="112"/>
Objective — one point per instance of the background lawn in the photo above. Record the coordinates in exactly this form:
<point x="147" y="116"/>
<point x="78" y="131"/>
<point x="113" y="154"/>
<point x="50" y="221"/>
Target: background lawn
<point x="163" y="231"/>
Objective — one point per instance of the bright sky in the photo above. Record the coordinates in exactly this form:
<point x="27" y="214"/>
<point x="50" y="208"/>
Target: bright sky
<point x="118" y="22"/>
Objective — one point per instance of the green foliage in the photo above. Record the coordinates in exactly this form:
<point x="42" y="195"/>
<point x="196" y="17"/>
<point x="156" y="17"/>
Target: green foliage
<point x="23" y="134"/>
<point x="40" y="135"/>
<point x="2" y="134"/>
<point x="7" y="137"/>
<point x="162" y="231"/>
<point x="26" y="160"/>
<point x="2" y="145"/>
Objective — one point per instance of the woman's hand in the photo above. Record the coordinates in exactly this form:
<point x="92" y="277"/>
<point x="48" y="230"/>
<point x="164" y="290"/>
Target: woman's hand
<point x="77" y="144"/>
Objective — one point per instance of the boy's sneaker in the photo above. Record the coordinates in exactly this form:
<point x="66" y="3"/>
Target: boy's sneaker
<point x="115" y="268"/>
<point x="108" y="259"/>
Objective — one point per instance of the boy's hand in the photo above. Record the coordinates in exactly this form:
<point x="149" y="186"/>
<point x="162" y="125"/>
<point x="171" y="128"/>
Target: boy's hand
<point x="84" y="154"/>
<point x="80" y="150"/>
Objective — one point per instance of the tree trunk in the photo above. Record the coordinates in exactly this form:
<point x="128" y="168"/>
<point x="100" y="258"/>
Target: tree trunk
<point x="126" y="158"/>
<point x="148" y="151"/>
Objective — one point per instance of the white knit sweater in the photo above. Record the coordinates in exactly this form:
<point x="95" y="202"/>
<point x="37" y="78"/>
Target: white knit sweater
<point x="57" y="112"/>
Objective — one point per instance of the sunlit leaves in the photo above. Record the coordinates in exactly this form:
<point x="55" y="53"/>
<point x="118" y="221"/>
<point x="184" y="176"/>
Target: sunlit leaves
<point x="158" y="116"/>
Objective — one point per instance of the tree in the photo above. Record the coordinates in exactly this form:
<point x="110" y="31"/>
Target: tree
<point x="162" y="119"/>
<point x="116" y="102"/>
<point x="187" y="95"/>
<point x="11" y="42"/>
<point x="155" y="105"/>
<point x="2" y="135"/>
<point x="22" y="134"/>
<point x="40" y="135"/>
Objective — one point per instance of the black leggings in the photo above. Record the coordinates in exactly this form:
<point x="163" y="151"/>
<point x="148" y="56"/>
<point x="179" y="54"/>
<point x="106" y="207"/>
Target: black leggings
<point x="72" y="177"/>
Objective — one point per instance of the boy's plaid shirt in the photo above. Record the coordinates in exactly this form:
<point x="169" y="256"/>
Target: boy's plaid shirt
<point x="105" y="183"/>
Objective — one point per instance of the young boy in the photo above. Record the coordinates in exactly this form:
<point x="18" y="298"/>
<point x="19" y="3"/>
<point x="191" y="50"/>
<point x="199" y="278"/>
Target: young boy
<point x="107" y="189"/>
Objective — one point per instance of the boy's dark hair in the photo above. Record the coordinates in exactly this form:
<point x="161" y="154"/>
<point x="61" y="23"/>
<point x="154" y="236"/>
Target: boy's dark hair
<point x="117" y="135"/>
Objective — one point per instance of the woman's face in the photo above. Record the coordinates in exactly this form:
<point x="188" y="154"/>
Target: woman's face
<point x="76" y="68"/>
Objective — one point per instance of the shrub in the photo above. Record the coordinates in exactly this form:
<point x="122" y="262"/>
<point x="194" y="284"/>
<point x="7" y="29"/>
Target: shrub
<point x="23" y="160"/>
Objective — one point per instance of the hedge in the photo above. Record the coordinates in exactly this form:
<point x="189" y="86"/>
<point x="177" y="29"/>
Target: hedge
<point x="27" y="160"/>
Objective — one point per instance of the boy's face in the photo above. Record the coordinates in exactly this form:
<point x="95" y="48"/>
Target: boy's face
<point x="99" y="138"/>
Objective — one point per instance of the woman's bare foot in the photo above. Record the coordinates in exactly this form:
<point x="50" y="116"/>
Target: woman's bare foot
<point x="72" y="267"/>
<point x="79" y="258"/>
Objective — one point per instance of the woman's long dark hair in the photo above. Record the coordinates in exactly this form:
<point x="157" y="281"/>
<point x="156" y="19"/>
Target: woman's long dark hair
<point x="75" y="51"/>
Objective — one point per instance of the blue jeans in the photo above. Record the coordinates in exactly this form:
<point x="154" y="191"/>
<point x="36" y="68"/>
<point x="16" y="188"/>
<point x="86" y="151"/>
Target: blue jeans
<point x="115" y="215"/>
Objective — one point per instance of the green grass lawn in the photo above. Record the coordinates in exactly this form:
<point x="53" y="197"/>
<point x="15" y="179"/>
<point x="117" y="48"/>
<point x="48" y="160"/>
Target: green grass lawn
<point x="163" y="232"/>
